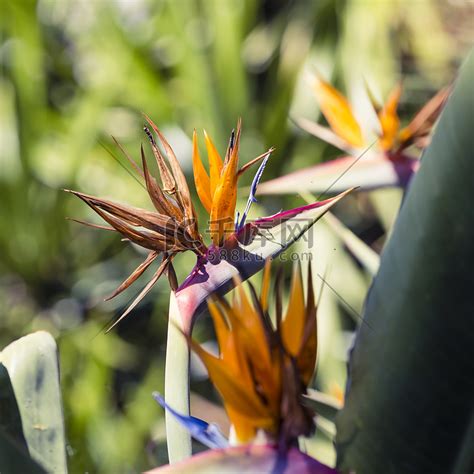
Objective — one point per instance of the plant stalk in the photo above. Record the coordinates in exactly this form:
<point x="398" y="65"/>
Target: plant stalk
<point x="176" y="385"/>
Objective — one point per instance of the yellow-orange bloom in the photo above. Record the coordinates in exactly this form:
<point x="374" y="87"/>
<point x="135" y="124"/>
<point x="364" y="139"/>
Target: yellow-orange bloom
<point x="338" y="113"/>
<point x="264" y="368"/>
<point x="218" y="190"/>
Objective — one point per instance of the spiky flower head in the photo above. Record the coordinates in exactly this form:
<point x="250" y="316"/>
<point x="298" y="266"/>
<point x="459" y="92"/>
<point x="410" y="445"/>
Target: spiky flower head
<point x="173" y="226"/>
<point x="392" y="139"/>
<point x="264" y="366"/>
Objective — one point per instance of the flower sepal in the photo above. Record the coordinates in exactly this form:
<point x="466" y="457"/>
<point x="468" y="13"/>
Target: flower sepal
<point x="248" y="459"/>
<point x="243" y="254"/>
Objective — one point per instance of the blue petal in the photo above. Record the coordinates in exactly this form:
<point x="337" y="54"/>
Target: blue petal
<point x="253" y="191"/>
<point x="206" y="433"/>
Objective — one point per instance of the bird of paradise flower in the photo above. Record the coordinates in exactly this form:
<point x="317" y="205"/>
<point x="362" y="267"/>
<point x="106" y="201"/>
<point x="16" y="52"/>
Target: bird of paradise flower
<point x="172" y="228"/>
<point x="389" y="163"/>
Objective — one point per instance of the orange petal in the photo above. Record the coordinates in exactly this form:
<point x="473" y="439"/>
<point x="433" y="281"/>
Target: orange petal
<point x="338" y="113"/>
<point x="215" y="163"/>
<point x="265" y="285"/>
<point x="201" y="179"/>
<point x="425" y="118"/>
<point x="231" y="341"/>
<point x="225" y="196"/>
<point x="388" y="118"/>
<point x="220" y="326"/>
<point x="248" y="325"/>
<point x="233" y="389"/>
<point x="293" y="323"/>
<point x="244" y="429"/>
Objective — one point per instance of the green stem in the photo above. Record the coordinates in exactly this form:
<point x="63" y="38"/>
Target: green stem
<point x="176" y="385"/>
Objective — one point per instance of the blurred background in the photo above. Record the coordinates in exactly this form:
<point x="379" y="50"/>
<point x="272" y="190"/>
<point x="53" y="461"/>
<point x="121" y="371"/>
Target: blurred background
<point x="73" y="73"/>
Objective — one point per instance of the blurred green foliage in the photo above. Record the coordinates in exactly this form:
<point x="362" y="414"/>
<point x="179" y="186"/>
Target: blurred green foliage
<point x="75" y="73"/>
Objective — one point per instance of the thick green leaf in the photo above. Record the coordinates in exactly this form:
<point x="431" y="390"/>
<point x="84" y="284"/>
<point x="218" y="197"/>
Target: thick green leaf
<point x="410" y="394"/>
<point x="14" y="457"/>
<point x="32" y="364"/>
<point x="10" y="419"/>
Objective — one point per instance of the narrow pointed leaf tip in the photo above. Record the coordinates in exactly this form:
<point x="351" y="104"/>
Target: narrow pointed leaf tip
<point x="244" y="254"/>
<point x="206" y="433"/>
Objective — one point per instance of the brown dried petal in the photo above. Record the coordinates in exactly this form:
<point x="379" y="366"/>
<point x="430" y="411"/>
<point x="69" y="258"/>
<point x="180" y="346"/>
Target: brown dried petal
<point x="245" y="167"/>
<point x="158" y="198"/>
<point x="90" y="224"/>
<point x="169" y="184"/>
<point x="133" y="215"/>
<point x="135" y="275"/>
<point x="182" y="191"/>
<point x="129" y="158"/>
<point x="425" y="118"/>
<point x="297" y="419"/>
<point x="144" y="292"/>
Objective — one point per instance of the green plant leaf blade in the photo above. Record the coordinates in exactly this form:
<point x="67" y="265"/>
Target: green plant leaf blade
<point x="14" y="458"/>
<point x="410" y="392"/>
<point x="32" y="364"/>
<point x="10" y="418"/>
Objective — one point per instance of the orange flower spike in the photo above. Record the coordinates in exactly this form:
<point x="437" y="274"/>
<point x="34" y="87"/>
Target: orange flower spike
<point x="233" y="389"/>
<point x="420" y="126"/>
<point x="228" y="337"/>
<point x="389" y="120"/>
<point x="201" y="178"/>
<point x="250" y="333"/>
<point x="292" y="326"/>
<point x="225" y="196"/>
<point x="223" y="332"/>
<point x="263" y="369"/>
<point x="338" y="113"/>
<point x="215" y="163"/>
